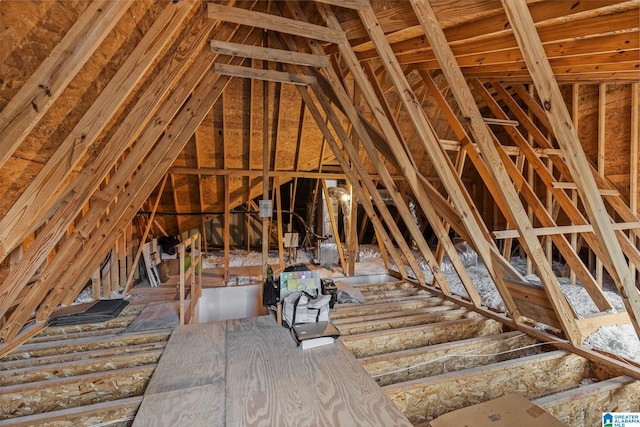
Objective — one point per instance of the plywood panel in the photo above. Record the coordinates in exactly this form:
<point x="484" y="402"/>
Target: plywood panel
<point x="194" y="356"/>
<point x="75" y="100"/>
<point x="201" y="406"/>
<point x="291" y="387"/>
<point x="157" y="315"/>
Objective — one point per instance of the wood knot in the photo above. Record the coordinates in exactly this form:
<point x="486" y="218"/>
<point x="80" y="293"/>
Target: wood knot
<point x="547" y="105"/>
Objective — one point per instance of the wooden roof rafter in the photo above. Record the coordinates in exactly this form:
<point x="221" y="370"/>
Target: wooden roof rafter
<point x="567" y="137"/>
<point x="540" y="212"/>
<point x="440" y="230"/>
<point x="483" y="49"/>
<point x="497" y="171"/>
<point x="461" y="200"/>
<point x="16" y="225"/>
<point x="340" y="92"/>
<point x="83" y="186"/>
<point x="83" y="231"/>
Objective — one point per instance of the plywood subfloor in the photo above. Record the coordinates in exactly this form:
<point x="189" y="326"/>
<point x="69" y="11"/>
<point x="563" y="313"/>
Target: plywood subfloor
<point x="156" y="315"/>
<point x="249" y="372"/>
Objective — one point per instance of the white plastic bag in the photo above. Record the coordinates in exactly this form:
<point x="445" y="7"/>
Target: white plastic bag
<point x="300" y="307"/>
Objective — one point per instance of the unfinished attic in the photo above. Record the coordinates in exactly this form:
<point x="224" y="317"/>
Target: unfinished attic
<point x="467" y="172"/>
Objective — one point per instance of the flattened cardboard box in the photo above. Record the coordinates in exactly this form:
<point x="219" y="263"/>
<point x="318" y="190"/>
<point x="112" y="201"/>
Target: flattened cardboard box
<point x="506" y="411"/>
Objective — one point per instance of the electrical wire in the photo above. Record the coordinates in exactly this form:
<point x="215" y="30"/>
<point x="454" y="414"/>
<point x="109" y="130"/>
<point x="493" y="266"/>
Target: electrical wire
<point x="469" y="354"/>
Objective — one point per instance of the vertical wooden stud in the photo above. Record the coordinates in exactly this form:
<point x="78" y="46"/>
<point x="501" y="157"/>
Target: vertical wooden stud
<point x="276" y="186"/>
<point x="602" y="115"/>
<point x="225" y="236"/>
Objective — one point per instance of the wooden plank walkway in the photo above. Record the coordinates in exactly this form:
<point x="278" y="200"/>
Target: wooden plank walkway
<point x="249" y="372"/>
<point x="156" y="315"/>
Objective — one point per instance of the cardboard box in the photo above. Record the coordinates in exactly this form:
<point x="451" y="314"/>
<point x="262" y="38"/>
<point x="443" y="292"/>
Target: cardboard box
<point x="506" y="411"/>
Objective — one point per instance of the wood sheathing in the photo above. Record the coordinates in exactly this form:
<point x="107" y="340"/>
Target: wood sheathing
<point x="513" y="125"/>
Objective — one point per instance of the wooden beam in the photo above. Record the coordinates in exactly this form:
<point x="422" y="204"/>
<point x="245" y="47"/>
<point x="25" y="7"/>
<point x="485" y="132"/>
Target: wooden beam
<point x="500" y="122"/>
<point x="25" y="334"/>
<point x="546" y="174"/>
<point x="285" y="174"/>
<point x="602" y="115"/>
<point x="441" y="232"/>
<point x="268" y="75"/>
<point x="635" y="150"/>
<point x="384" y="309"/>
<point x="266" y="219"/>
<point x="129" y="283"/>
<point x="438" y="359"/>
<point x="90" y="178"/>
<point x="565" y="133"/>
<point x="170" y="145"/>
<point x="85" y="184"/>
<point x="273" y="22"/>
<point x="532" y="375"/>
<point x="575" y="115"/>
<point x="555" y="22"/>
<point x="589" y="324"/>
<point x="103" y="413"/>
<point x="497" y="170"/>
<point x="592" y="400"/>
<point x="544" y="214"/>
<point x="388" y="341"/>
<point x="425" y="316"/>
<point x="633" y="167"/>
<point x="268" y="54"/>
<point x="33" y="351"/>
<point x="203" y="225"/>
<point x="365" y="137"/>
<point x="196" y="108"/>
<point x="592" y="49"/>
<point x="426" y="134"/>
<point x="622" y="367"/>
<point x="226" y="238"/>
<point x="401" y="16"/>
<point x="42" y="396"/>
<point x="31" y="363"/>
<point x="351" y="4"/>
<point x="45" y="85"/>
<point x="296" y="164"/>
<point x="78" y="367"/>
<point x="574" y="186"/>
<point x="147" y="140"/>
<point x="352" y="232"/>
<point x="38" y="198"/>
<point x="280" y="230"/>
<point x="566" y="229"/>
<point x="334" y="227"/>
<point x="416" y="181"/>
<point x="353" y="178"/>
<point x="478" y="162"/>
